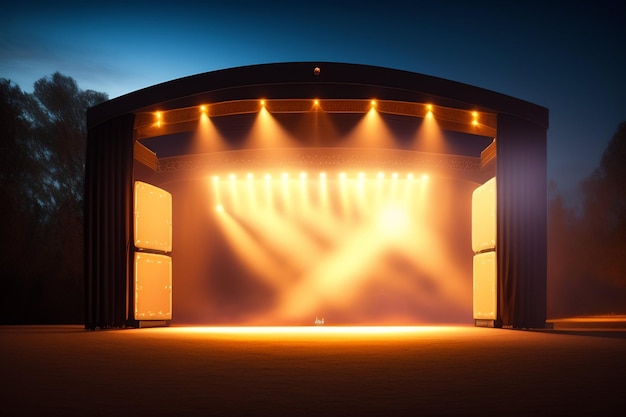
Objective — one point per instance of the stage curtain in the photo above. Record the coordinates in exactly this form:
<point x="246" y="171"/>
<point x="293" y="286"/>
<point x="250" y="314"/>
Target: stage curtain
<point x="108" y="222"/>
<point x="522" y="222"/>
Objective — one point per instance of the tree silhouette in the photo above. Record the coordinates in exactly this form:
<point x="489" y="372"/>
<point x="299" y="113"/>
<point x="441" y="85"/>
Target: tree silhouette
<point x="587" y="253"/>
<point x="42" y="178"/>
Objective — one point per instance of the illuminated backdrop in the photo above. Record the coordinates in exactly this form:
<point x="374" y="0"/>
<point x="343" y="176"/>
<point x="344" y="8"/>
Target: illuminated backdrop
<point x="342" y="193"/>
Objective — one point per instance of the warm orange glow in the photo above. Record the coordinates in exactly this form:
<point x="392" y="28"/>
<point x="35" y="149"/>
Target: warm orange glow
<point x="206" y="137"/>
<point x="153" y="287"/>
<point x="484" y="217"/>
<point x="203" y="109"/>
<point x="153" y="217"/>
<point x="320" y="240"/>
<point x="429" y="136"/>
<point x="355" y="332"/>
<point x="262" y="103"/>
<point x="373" y="103"/>
<point x="266" y="132"/>
<point x="484" y="287"/>
<point x="316" y="102"/>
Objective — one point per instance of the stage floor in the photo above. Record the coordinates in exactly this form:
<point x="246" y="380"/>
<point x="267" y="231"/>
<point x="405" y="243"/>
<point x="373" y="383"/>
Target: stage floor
<point x="314" y="371"/>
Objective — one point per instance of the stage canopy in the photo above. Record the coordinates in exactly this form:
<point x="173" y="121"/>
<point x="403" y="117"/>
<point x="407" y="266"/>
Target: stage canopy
<point x="329" y="118"/>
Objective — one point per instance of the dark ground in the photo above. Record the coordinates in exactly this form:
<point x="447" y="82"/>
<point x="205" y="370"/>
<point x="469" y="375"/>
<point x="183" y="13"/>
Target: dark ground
<point x="183" y="371"/>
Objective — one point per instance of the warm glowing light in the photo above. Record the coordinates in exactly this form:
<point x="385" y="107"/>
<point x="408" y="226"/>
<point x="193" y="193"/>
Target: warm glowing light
<point x="373" y="102"/>
<point x="393" y="221"/>
<point x="321" y="243"/>
<point x="424" y="177"/>
<point x="203" y="109"/>
<point x="232" y="177"/>
<point x="429" y="107"/>
<point x="316" y="102"/>
<point x="484" y="214"/>
<point x="475" y="116"/>
<point x="216" y="178"/>
<point x="484" y="286"/>
<point x="153" y="217"/>
<point x="153" y="287"/>
<point x="263" y="103"/>
<point x="250" y="176"/>
<point x="315" y="331"/>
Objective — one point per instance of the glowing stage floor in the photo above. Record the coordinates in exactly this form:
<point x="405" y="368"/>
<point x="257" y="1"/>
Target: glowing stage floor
<point x="321" y="371"/>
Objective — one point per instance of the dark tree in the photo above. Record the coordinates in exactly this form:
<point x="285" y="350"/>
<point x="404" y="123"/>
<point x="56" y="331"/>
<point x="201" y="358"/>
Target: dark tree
<point x="605" y="211"/>
<point x="42" y="176"/>
<point x="587" y="252"/>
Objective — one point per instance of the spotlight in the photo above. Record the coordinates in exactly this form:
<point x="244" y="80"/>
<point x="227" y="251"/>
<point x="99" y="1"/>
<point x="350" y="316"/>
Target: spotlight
<point x="203" y="109"/>
<point x="373" y="103"/>
<point x="263" y="103"/>
<point x="219" y="208"/>
<point x="303" y="175"/>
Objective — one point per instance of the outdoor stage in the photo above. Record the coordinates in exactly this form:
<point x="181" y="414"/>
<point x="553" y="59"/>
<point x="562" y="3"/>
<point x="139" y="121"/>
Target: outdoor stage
<point x="317" y="370"/>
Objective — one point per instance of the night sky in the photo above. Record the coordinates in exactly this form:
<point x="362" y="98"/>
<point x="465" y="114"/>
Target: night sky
<point x="567" y="57"/>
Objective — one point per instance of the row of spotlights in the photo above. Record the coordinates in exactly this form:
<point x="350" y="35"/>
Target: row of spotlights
<point x="316" y="102"/>
<point x="342" y="176"/>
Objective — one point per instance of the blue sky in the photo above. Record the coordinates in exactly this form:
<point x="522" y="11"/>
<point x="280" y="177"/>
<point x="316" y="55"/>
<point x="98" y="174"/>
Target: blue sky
<point x="567" y="56"/>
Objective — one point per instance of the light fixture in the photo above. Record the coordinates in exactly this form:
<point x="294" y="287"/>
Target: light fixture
<point x="153" y="217"/>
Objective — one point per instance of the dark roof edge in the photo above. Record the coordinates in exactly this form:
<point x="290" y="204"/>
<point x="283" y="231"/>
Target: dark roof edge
<point x="292" y="79"/>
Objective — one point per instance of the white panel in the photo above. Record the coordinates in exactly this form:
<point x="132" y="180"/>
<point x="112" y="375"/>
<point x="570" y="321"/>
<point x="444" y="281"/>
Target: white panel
<point x="153" y="217"/>
<point x="485" y="286"/>
<point x="484" y="217"/>
<point x="153" y="287"/>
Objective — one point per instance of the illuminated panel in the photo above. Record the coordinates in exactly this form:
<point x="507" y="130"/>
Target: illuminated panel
<point x="153" y="287"/>
<point x="485" y="302"/>
<point x="153" y="218"/>
<point x="484" y="217"/>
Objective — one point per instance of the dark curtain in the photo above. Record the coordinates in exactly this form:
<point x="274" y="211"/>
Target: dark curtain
<point x="522" y="222"/>
<point x="108" y="222"/>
